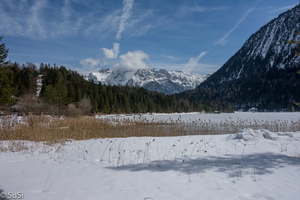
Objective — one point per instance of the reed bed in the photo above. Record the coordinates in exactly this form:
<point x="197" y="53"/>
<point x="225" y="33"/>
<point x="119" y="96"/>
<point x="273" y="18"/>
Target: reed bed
<point x="59" y="129"/>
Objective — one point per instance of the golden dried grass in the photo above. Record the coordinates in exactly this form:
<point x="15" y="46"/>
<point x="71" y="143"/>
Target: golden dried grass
<point x="57" y="130"/>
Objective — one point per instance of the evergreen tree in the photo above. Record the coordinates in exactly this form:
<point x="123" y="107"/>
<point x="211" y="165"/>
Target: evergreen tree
<point x="50" y="94"/>
<point x="126" y="103"/>
<point x="57" y="93"/>
<point x="6" y="85"/>
<point x="3" y="53"/>
<point x="6" y="77"/>
<point x="61" y="90"/>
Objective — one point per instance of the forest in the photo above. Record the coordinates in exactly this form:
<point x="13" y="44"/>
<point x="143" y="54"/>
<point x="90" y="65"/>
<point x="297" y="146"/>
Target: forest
<point x="64" y="91"/>
<point x="67" y="92"/>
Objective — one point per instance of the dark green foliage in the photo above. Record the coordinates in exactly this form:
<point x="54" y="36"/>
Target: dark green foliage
<point x="6" y="85"/>
<point x="24" y="78"/>
<point x="3" y="53"/>
<point x="105" y="99"/>
<point x="57" y="93"/>
<point x="6" y="77"/>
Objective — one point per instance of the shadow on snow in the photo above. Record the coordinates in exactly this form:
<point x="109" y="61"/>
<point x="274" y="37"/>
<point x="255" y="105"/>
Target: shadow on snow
<point x="259" y="163"/>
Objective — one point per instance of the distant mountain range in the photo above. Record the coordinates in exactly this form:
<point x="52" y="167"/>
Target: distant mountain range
<point x="262" y="74"/>
<point x="163" y="81"/>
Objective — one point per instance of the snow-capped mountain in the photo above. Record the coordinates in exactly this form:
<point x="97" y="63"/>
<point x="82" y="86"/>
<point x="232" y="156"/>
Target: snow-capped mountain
<point x="267" y="49"/>
<point x="168" y="82"/>
<point x="99" y="76"/>
<point x="262" y="74"/>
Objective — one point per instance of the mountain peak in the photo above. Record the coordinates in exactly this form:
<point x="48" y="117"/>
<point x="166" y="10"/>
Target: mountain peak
<point x="266" y="49"/>
<point x="163" y="81"/>
<point x="262" y="74"/>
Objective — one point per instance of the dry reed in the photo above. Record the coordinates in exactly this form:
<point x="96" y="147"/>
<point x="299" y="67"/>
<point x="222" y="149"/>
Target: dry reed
<point x="57" y="130"/>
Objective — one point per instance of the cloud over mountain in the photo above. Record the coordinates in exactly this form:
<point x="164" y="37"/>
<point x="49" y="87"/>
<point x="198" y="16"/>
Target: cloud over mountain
<point x="90" y="62"/>
<point x="111" y="53"/>
<point x="132" y="60"/>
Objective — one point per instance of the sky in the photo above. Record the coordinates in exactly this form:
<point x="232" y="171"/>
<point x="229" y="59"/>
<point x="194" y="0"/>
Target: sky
<point x="189" y="35"/>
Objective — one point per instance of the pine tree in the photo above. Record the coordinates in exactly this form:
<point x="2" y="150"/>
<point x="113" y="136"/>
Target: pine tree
<point x="6" y="77"/>
<point x="6" y="85"/>
<point x="3" y="53"/>
<point x="127" y="107"/>
<point x="50" y="94"/>
<point x="61" y="89"/>
<point x="58" y="93"/>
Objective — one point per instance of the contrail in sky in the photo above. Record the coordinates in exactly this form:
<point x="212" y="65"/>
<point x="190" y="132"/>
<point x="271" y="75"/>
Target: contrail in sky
<point x="193" y="62"/>
<point x="127" y="7"/>
<point x="224" y="38"/>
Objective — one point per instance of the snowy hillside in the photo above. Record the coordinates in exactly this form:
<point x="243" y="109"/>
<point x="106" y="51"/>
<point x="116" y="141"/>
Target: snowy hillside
<point x="168" y="82"/>
<point x="267" y="49"/>
<point x="262" y="74"/>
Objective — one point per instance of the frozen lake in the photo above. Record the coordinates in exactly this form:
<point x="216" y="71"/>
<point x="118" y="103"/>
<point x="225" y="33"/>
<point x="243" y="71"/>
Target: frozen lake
<point x="189" y="117"/>
<point x="224" y="123"/>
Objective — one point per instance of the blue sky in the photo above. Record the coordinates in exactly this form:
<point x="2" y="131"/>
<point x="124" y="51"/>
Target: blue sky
<point x="194" y="36"/>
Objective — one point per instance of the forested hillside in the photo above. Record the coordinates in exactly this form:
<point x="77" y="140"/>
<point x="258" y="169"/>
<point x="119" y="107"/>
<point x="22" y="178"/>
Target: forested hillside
<point x="50" y="89"/>
<point x="66" y="91"/>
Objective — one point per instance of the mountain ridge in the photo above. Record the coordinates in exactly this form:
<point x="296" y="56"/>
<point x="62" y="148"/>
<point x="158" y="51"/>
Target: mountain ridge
<point x="163" y="81"/>
<point x="261" y="74"/>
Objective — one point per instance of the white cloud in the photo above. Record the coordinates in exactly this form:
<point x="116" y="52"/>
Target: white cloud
<point x="169" y="57"/>
<point x="17" y="18"/>
<point x="127" y="6"/>
<point x="35" y="23"/>
<point x="90" y="62"/>
<point x="111" y="53"/>
<point x="197" y="8"/>
<point x="66" y="23"/>
<point x="102" y="27"/>
<point x="193" y="62"/>
<point x="223" y="40"/>
<point x="43" y="19"/>
<point x="132" y="61"/>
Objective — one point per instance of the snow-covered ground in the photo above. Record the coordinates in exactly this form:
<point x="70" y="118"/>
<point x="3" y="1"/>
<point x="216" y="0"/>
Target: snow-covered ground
<point x="251" y="164"/>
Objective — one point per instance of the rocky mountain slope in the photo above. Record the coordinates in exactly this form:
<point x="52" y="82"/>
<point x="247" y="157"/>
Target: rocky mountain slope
<point x="262" y="74"/>
<point x="163" y="81"/>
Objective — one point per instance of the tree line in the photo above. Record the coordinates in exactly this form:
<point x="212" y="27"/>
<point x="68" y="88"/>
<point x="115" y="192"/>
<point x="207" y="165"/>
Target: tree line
<point x="65" y="91"/>
<point x="62" y="88"/>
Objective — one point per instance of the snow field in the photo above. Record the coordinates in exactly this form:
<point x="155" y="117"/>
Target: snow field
<point x="252" y="164"/>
